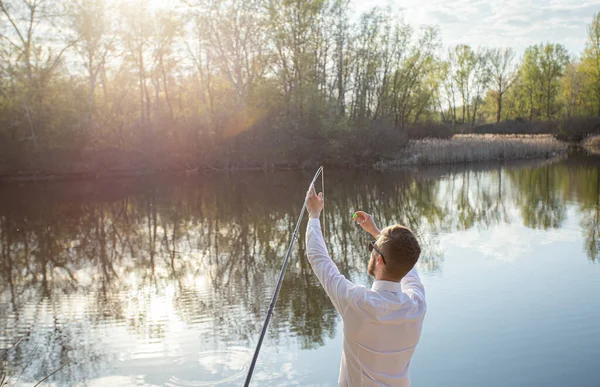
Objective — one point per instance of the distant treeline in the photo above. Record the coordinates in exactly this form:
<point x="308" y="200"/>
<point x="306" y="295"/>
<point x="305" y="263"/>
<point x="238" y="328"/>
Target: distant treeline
<point x="109" y="85"/>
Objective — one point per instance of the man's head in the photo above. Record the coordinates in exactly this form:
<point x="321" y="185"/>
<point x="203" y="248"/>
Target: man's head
<point x="395" y="253"/>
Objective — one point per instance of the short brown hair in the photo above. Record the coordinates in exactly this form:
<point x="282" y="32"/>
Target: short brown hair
<point x="400" y="249"/>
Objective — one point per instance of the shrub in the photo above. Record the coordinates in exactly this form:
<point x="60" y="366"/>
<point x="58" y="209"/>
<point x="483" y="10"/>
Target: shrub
<point x="429" y="129"/>
<point x="577" y="128"/>
<point x="518" y="126"/>
<point x="366" y="146"/>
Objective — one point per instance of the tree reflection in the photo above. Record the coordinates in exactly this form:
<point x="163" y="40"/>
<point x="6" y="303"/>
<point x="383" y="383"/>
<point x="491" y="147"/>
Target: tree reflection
<point x="544" y="193"/>
<point x="587" y="183"/>
<point x="137" y="254"/>
<point x="539" y="197"/>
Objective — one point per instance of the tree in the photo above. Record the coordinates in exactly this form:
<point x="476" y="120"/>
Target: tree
<point x="416" y="81"/>
<point x="502" y="73"/>
<point x="166" y="31"/>
<point x="572" y="84"/>
<point x="367" y="62"/>
<point x="466" y="61"/>
<point x="235" y="34"/>
<point x="90" y="22"/>
<point x="530" y="76"/>
<point x="342" y="55"/>
<point x="543" y="66"/>
<point x="481" y="80"/>
<point x="447" y="70"/>
<point x="553" y="61"/>
<point x="293" y="27"/>
<point x="591" y="64"/>
<point x="467" y="75"/>
<point x="33" y="60"/>
<point x="135" y="36"/>
<point x="393" y="78"/>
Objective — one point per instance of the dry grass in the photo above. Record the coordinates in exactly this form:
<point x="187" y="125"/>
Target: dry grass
<point x="471" y="148"/>
<point x="592" y="142"/>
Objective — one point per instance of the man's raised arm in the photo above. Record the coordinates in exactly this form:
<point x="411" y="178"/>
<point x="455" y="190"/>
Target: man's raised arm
<point x="337" y="287"/>
<point x="411" y="285"/>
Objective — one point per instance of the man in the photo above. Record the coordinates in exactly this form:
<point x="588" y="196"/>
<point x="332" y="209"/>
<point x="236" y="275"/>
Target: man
<point x="382" y="325"/>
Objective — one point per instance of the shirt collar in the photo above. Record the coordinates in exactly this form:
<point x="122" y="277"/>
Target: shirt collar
<point x="388" y="286"/>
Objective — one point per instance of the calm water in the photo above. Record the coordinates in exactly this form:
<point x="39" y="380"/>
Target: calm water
<point x="167" y="282"/>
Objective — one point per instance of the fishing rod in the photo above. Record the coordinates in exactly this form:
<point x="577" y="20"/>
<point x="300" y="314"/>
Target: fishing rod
<point x="276" y="293"/>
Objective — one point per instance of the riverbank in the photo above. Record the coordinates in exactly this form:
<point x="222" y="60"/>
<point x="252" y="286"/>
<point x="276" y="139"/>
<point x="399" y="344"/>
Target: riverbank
<point x="473" y="148"/>
<point x="460" y="149"/>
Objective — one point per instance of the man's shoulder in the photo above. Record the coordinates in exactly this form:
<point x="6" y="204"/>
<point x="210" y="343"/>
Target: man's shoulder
<point x="357" y="292"/>
<point x="391" y="301"/>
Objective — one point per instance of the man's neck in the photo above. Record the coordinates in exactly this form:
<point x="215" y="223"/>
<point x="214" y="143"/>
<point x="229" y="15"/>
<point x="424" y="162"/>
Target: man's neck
<point x="383" y="277"/>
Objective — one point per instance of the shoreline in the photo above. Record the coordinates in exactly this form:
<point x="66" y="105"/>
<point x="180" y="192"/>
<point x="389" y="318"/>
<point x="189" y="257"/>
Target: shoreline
<point x="460" y="149"/>
<point x="476" y="148"/>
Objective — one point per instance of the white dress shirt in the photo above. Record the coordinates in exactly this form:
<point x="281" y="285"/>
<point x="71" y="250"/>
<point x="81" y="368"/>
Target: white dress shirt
<point x="382" y="325"/>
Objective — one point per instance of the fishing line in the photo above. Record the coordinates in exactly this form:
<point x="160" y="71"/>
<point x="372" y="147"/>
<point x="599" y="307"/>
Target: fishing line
<point x="285" y="263"/>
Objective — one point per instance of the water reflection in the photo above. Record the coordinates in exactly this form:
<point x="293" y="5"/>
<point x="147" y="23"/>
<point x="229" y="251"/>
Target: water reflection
<point x="115" y="278"/>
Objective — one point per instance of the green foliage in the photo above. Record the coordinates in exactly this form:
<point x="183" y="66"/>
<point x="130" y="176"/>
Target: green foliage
<point x="590" y="67"/>
<point x="540" y="73"/>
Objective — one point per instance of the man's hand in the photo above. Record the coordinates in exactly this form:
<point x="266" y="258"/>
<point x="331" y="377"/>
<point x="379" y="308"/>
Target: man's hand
<point x="314" y="202"/>
<point x="367" y="223"/>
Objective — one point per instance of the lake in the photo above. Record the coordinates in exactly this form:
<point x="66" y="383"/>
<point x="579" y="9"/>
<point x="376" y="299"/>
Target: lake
<point x="167" y="281"/>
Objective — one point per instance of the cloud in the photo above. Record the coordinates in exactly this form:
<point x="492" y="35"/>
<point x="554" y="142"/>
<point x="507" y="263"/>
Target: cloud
<point x="444" y="17"/>
<point x="508" y="242"/>
<point x="514" y="23"/>
<point x="518" y="22"/>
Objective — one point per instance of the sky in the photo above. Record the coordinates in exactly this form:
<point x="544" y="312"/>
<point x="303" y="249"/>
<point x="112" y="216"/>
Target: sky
<point x="499" y="23"/>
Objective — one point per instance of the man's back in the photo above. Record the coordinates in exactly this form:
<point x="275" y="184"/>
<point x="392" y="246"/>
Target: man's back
<point x="382" y="325"/>
<point x="381" y="332"/>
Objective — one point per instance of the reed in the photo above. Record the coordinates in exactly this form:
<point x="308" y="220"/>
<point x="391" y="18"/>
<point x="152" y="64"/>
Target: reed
<point x="470" y="148"/>
<point x="591" y="142"/>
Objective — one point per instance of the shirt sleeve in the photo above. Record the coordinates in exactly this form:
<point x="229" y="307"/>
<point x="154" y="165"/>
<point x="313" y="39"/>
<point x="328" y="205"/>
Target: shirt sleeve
<point x="412" y="286"/>
<point x="338" y="288"/>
